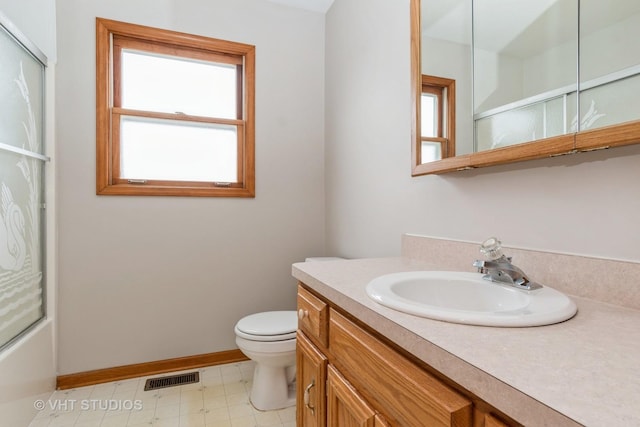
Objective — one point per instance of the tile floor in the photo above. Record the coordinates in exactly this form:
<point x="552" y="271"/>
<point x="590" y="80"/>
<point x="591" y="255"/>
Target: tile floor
<point x="220" y="399"/>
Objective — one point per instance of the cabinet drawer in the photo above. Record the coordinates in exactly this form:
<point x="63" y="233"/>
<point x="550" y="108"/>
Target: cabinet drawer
<point x="313" y="316"/>
<point x="401" y="391"/>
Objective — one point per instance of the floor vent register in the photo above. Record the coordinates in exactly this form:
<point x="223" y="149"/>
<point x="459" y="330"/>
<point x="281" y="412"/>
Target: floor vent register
<point x="171" y="381"/>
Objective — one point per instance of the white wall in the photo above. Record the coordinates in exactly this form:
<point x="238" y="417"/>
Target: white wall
<point x="37" y="20"/>
<point x="151" y="278"/>
<point x="610" y="48"/>
<point x="27" y="368"/>
<point x="585" y="203"/>
<point x="498" y="80"/>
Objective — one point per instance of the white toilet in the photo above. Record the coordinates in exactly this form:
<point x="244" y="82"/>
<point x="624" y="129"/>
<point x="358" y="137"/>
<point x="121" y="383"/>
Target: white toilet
<point x="269" y="339"/>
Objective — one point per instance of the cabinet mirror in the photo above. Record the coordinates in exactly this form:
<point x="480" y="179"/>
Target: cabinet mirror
<point x="498" y="81"/>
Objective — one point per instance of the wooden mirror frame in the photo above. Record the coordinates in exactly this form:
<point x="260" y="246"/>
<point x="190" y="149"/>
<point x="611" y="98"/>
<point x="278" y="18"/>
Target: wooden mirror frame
<point x="627" y="133"/>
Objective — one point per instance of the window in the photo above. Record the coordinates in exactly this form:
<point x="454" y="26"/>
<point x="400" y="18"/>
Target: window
<point x="437" y="123"/>
<point x="174" y="113"/>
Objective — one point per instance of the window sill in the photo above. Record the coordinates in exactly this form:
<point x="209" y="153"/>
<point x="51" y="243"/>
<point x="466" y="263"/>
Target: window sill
<point x="184" y="191"/>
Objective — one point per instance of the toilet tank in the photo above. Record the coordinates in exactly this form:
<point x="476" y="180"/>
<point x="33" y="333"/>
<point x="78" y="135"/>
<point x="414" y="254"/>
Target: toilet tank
<point x="322" y="258"/>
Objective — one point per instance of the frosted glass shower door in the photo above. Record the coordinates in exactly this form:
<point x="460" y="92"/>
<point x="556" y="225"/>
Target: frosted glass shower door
<point x="21" y="184"/>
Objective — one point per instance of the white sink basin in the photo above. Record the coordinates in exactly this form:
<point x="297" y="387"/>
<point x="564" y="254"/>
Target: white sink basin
<point x="467" y="298"/>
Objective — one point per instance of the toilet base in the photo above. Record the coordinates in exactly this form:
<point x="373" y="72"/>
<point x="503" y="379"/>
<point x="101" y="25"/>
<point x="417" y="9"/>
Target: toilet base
<point x="272" y="388"/>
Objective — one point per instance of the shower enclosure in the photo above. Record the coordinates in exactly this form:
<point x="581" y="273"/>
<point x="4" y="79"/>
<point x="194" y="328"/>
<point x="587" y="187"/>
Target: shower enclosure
<point x="22" y="161"/>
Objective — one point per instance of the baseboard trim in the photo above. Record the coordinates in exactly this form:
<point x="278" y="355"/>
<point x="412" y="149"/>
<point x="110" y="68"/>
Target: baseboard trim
<point x="117" y="373"/>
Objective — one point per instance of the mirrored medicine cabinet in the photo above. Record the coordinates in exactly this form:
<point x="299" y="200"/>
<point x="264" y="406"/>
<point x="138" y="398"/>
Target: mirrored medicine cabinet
<point x="501" y="81"/>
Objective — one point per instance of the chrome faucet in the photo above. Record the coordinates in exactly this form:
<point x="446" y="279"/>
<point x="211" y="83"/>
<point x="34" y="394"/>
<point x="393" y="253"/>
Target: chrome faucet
<point x="498" y="267"/>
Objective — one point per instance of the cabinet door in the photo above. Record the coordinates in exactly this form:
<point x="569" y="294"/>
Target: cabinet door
<point x="345" y="407"/>
<point x="381" y="422"/>
<point x="311" y="377"/>
<point x="491" y="421"/>
<point x="401" y="391"/>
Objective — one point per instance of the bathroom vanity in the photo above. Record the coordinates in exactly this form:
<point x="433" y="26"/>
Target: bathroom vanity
<point x="360" y="363"/>
<point x="367" y="380"/>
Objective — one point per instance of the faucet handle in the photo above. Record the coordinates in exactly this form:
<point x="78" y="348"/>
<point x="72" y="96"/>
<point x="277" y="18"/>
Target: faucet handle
<point x="491" y="248"/>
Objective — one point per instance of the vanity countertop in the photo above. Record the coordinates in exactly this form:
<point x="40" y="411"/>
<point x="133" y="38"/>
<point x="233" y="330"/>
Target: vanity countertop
<point x="580" y="372"/>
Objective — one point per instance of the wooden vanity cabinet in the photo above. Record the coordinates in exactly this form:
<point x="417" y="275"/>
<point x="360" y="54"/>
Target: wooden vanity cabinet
<point x="403" y="393"/>
<point x="313" y="316"/>
<point x="348" y="377"/>
<point x="346" y="407"/>
<point x="491" y="421"/>
<point x="311" y="380"/>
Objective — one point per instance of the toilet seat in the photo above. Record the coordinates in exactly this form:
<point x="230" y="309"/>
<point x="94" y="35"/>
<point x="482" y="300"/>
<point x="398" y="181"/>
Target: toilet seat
<point x="268" y="326"/>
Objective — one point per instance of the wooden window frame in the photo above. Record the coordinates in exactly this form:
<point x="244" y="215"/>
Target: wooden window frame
<point x="111" y="36"/>
<point x="445" y="90"/>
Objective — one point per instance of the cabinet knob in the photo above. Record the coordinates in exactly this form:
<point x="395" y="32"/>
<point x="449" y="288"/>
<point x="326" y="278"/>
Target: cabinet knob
<point x="302" y="314"/>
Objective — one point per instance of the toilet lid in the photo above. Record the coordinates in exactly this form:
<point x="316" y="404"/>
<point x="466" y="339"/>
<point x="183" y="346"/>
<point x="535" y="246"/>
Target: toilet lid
<point x="268" y="326"/>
